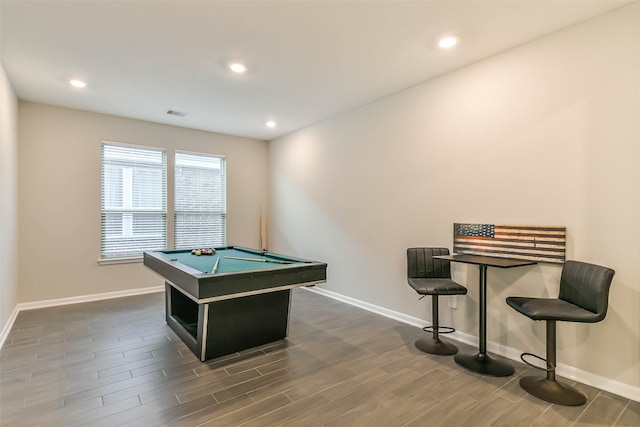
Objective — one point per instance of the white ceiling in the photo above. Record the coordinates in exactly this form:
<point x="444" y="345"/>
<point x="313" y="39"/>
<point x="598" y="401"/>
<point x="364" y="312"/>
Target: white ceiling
<point x="308" y="60"/>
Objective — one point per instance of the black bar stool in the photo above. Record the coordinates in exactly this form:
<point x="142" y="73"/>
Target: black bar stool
<point x="584" y="297"/>
<point x="429" y="276"/>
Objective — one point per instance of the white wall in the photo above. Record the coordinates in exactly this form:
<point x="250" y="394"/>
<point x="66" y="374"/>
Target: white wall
<point x="59" y="202"/>
<point x="8" y="200"/>
<point x="544" y="134"/>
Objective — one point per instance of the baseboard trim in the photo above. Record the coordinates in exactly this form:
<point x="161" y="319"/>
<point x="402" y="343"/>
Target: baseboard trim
<point x="566" y="371"/>
<point x="71" y="300"/>
<point x="413" y="321"/>
<point x="7" y="327"/>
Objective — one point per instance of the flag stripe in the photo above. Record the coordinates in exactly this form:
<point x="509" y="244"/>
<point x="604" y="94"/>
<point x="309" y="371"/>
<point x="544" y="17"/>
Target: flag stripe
<point x="516" y="240"/>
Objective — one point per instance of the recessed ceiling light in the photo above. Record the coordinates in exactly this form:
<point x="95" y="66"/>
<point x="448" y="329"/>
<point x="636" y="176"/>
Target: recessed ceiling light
<point x="238" y="67"/>
<point x="448" y="42"/>
<point x="271" y="124"/>
<point x="77" y="83"/>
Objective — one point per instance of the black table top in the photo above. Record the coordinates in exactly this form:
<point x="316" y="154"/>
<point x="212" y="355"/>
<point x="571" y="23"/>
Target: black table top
<point x="486" y="260"/>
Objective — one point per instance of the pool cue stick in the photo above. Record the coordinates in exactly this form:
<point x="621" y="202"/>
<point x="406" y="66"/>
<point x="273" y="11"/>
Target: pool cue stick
<point x="259" y="260"/>
<point x="215" y="267"/>
<point x="260" y="229"/>
<point x="266" y="232"/>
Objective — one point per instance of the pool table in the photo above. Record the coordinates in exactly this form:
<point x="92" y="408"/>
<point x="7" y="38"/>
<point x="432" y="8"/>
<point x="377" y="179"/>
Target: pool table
<point x="243" y="304"/>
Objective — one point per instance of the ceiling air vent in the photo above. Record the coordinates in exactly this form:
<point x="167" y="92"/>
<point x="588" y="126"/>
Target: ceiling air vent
<point x="176" y="113"/>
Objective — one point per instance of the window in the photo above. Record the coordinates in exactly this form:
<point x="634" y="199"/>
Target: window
<point x="200" y="201"/>
<point x="134" y="200"/>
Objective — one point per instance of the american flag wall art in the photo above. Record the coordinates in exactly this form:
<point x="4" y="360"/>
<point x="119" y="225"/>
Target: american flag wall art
<point x="532" y="243"/>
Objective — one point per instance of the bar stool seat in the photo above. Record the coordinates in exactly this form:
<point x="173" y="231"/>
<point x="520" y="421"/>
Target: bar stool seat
<point x="430" y="276"/>
<point x="436" y="286"/>
<point x="583" y="297"/>
<point x="551" y="309"/>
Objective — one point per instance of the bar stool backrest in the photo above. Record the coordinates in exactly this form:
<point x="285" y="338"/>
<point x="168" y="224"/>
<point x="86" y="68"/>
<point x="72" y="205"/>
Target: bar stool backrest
<point x="420" y="263"/>
<point x="587" y="286"/>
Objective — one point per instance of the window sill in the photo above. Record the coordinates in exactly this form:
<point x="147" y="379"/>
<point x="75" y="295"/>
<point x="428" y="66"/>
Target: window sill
<point x="110" y="261"/>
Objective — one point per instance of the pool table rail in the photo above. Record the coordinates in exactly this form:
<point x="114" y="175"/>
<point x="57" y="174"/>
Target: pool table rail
<point x="205" y="287"/>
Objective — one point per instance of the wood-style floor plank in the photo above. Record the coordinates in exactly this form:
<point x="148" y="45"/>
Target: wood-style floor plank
<point x="117" y="363"/>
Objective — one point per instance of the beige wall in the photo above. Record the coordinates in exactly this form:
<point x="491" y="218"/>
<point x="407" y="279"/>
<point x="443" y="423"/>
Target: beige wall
<point x="8" y="200"/>
<point x="59" y="201"/>
<point x="544" y="134"/>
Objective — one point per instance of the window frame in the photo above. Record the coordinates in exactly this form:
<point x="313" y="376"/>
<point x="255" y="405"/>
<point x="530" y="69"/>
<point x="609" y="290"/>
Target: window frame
<point x="164" y="211"/>
<point x="176" y="212"/>
<point x="169" y="197"/>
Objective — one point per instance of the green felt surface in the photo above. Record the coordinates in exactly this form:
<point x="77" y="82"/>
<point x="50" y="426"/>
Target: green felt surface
<point x="205" y="263"/>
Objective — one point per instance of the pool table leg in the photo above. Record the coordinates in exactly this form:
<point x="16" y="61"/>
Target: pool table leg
<point x="203" y="333"/>
<point x="286" y="331"/>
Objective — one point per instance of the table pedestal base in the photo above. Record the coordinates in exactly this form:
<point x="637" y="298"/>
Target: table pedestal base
<point x="482" y="363"/>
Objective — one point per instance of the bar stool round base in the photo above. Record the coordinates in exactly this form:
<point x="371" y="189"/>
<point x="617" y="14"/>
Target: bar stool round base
<point x="431" y="346"/>
<point x="552" y="391"/>
<point x="481" y="363"/>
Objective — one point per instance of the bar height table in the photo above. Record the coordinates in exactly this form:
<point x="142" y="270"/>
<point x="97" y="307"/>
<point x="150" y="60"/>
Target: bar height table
<point x="481" y="362"/>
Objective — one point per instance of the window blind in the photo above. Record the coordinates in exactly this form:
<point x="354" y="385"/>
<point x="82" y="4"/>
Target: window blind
<point x="134" y="201"/>
<point x="200" y="201"/>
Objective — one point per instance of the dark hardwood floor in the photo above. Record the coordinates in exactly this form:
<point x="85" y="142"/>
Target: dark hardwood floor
<point x="115" y="362"/>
